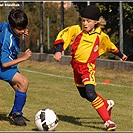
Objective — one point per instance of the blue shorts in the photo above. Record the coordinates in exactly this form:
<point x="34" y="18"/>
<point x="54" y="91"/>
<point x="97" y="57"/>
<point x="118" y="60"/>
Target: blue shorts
<point x="7" y="74"/>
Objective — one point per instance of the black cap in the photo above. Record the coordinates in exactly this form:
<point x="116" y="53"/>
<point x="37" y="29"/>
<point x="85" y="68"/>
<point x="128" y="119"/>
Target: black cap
<point x="91" y="12"/>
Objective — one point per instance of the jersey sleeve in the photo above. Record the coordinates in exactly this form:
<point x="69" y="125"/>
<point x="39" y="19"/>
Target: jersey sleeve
<point x="5" y="44"/>
<point x="5" y="52"/>
<point x="1" y="26"/>
<point x="106" y="45"/>
<point x="66" y="36"/>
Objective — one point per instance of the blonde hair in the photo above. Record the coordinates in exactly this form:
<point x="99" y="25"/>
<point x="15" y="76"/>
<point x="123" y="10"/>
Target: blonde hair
<point x="101" y="22"/>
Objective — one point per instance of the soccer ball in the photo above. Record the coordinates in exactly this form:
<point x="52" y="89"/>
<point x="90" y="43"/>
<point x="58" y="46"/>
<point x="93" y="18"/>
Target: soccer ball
<point x="46" y="120"/>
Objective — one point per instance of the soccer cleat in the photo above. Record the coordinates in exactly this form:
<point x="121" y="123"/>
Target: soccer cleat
<point x="110" y="106"/>
<point x="25" y="119"/>
<point x="17" y="119"/>
<point x="110" y="125"/>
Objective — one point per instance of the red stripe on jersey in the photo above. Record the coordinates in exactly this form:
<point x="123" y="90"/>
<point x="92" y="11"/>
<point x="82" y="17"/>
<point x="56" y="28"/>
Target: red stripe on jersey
<point x="116" y="51"/>
<point x="75" y="44"/>
<point x="94" y="53"/>
<point x="58" y="42"/>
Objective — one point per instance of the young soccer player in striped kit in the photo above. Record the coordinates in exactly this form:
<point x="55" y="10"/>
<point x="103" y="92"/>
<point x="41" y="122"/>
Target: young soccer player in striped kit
<point x="88" y="43"/>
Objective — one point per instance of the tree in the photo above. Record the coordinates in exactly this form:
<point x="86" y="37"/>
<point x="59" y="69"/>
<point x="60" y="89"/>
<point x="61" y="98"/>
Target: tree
<point x="79" y="6"/>
<point x="53" y="12"/>
<point x="32" y="10"/>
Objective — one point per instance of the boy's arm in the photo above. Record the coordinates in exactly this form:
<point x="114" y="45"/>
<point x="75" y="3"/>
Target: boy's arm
<point x="27" y="54"/>
<point x="64" y="38"/>
<point x="124" y="57"/>
<point x="59" y="47"/>
<point x="121" y="55"/>
<point x="58" y="52"/>
<point x="108" y="46"/>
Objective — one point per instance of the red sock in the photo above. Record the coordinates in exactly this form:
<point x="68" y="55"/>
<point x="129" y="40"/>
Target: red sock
<point x="100" y="107"/>
<point x="104" y="100"/>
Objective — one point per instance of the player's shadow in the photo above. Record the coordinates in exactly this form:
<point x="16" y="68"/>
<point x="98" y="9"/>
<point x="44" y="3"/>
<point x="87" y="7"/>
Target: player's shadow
<point x="3" y="117"/>
<point x="81" y="121"/>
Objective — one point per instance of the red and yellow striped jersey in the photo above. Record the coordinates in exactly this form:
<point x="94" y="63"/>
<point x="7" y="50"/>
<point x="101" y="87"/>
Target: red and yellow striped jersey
<point x="86" y="47"/>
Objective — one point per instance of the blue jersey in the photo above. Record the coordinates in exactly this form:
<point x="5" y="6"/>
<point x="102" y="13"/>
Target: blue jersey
<point x="9" y="44"/>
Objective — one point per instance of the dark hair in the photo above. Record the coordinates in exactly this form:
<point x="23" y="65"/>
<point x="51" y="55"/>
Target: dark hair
<point x="18" y="19"/>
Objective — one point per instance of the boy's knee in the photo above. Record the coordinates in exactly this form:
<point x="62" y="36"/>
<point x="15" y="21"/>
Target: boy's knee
<point x="90" y="92"/>
<point x="87" y="92"/>
<point x="24" y="85"/>
<point x="25" y="82"/>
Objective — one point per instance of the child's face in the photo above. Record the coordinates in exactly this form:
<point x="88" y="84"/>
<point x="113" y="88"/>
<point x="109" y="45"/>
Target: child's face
<point x="88" y="24"/>
<point x="20" y="32"/>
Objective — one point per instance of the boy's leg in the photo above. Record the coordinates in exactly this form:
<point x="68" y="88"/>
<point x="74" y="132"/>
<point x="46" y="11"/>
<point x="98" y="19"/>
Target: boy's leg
<point x="82" y="79"/>
<point x="12" y="77"/>
<point x="20" y="99"/>
<point x="15" y="115"/>
<point x="19" y="102"/>
<point x="109" y="104"/>
<point x="98" y="103"/>
<point x="90" y="94"/>
<point x="20" y="85"/>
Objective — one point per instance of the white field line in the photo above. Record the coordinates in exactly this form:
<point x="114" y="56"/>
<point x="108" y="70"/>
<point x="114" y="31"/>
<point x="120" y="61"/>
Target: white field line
<point x="59" y="76"/>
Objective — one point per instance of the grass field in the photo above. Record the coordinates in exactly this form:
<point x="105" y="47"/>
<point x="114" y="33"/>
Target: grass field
<point x="51" y="86"/>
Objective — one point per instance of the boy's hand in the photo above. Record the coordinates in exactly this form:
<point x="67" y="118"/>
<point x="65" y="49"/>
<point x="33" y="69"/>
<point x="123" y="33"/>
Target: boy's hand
<point x="27" y="54"/>
<point x="57" y="56"/>
<point x="26" y="32"/>
<point x="124" y="57"/>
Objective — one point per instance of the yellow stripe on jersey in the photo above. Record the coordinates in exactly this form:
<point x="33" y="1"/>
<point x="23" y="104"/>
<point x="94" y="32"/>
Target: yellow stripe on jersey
<point x="89" y="82"/>
<point x="92" y="71"/>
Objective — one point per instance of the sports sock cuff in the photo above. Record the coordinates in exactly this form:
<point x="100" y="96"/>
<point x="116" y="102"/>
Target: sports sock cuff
<point x="19" y="92"/>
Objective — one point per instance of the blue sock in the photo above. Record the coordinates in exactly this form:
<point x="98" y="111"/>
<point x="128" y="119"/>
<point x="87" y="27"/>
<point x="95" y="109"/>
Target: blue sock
<point x="19" y="102"/>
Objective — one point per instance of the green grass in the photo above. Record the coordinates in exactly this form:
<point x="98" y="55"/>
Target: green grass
<point x="61" y="95"/>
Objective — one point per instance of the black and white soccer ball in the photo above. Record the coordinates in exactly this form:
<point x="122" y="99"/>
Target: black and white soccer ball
<point x="46" y="120"/>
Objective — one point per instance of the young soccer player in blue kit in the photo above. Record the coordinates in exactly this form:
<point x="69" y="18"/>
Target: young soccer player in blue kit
<point x="10" y="33"/>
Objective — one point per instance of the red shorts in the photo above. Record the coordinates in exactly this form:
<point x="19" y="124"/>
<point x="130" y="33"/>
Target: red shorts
<point x="84" y="73"/>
